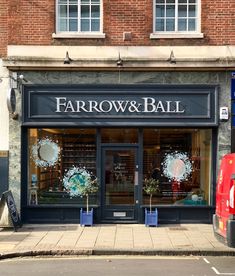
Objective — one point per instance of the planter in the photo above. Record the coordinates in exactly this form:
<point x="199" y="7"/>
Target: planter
<point x="86" y="218"/>
<point x="151" y="218"/>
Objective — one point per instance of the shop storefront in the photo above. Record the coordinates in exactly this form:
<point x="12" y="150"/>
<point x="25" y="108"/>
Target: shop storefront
<point x="123" y="134"/>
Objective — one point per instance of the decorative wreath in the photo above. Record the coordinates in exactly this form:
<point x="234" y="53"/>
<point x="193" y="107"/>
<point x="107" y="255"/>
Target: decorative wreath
<point x="39" y="160"/>
<point x="80" y="182"/>
<point x="177" y="166"/>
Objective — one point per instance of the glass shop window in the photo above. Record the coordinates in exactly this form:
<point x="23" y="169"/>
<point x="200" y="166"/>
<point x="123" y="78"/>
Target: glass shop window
<point x="119" y="135"/>
<point x="180" y="159"/>
<point x="54" y="158"/>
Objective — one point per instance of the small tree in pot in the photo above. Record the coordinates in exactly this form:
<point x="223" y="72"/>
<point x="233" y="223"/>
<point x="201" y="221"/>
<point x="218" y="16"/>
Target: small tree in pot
<point x="80" y="182"/>
<point x="151" y="187"/>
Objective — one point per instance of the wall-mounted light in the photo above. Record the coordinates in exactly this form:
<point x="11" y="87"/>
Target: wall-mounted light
<point x="67" y="59"/>
<point x="119" y="62"/>
<point x="172" y="58"/>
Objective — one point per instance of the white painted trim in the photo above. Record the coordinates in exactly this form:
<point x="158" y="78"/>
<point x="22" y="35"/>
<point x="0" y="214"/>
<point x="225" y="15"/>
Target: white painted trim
<point x="33" y="56"/>
<point x="78" y="35"/>
<point x="126" y="52"/>
<point x="175" y="35"/>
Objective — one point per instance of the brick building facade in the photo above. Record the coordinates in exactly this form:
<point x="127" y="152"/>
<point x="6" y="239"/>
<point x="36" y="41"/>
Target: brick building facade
<point x="158" y="48"/>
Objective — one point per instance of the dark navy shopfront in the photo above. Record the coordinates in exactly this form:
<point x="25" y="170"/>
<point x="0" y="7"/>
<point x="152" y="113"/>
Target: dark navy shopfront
<point x="123" y="134"/>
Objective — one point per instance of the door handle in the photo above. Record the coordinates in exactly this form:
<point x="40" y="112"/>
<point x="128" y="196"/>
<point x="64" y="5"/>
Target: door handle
<point x="136" y="178"/>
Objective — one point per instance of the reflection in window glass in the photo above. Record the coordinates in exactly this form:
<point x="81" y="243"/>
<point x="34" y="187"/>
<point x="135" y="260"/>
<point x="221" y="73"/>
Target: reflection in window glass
<point x="170" y="25"/>
<point x="52" y="152"/>
<point x="95" y="25"/>
<point x="182" y="24"/>
<point x="181" y="161"/>
<point x="73" y="24"/>
<point x="160" y="25"/>
<point x="85" y="11"/>
<point x="85" y="25"/>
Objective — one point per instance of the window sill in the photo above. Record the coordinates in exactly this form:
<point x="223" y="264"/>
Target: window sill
<point x="78" y="35"/>
<point x="176" y="35"/>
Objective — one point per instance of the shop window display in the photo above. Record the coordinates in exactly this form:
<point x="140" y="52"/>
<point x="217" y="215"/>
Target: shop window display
<point x="53" y="152"/>
<point x="181" y="160"/>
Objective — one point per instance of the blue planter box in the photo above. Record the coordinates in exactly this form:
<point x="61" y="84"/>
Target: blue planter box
<point x="86" y="218"/>
<point x="151" y="218"/>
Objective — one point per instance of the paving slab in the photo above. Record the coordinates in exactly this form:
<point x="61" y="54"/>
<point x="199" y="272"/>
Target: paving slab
<point x="119" y="239"/>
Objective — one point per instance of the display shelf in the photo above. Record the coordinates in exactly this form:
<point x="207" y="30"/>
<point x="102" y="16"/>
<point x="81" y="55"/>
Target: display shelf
<point x="80" y="152"/>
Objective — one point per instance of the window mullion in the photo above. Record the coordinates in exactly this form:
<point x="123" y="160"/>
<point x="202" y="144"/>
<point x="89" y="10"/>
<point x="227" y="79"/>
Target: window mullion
<point x="90" y="16"/>
<point x="187" y="19"/>
<point x="67" y="20"/>
<point x="176" y="15"/>
<point x="165" y="17"/>
<point x="79" y="15"/>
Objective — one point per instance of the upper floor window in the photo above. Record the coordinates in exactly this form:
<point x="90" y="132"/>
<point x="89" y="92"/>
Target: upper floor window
<point x="177" y="17"/>
<point x="79" y="17"/>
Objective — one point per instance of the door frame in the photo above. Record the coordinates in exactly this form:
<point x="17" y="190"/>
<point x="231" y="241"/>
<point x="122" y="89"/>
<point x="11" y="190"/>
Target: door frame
<point x="117" y="208"/>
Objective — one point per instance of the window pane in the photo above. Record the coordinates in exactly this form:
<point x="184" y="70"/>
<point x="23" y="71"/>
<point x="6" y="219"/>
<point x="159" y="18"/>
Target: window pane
<point x="182" y="25"/>
<point x="170" y="1"/>
<point x="70" y="147"/>
<point x="119" y="135"/>
<point x="73" y="25"/>
<point x="170" y="11"/>
<point x="62" y="2"/>
<point x="73" y="11"/>
<point x="159" y="25"/>
<point x="63" y="11"/>
<point x="160" y="1"/>
<point x="63" y="25"/>
<point x="85" y="25"/>
<point x="160" y="11"/>
<point x="73" y="1"/>
<point x="85" y="1"/>
<point x="95" y="1"/>
<point x="192" y="11"/>
<point x="173" y="154"/>
<point x="95" y="11"/>
<point x="192" y="1"/>
<point x="182" y="1"/>
<point x="182" y="11"/>
<point x="192" y="25"/>
<point x="85" y="11"/>
<point x="170" y="25"/>
<point x="95" y="25"/>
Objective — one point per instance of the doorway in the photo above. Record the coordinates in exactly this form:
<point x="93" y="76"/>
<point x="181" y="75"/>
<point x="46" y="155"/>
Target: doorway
<point x="119" y="184"/>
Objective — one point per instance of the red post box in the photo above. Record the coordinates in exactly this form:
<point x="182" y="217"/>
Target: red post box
<point x="224" y="217"/>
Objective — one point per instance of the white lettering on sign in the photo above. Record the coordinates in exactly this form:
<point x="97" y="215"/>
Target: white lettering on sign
<point x="145" y="105"/>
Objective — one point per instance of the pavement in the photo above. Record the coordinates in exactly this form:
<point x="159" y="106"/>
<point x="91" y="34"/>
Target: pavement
<point x="111" y="239"/>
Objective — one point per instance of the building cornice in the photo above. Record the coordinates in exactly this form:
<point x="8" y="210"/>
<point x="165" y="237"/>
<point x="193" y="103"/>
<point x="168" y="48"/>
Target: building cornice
<point x="132" y="57"/>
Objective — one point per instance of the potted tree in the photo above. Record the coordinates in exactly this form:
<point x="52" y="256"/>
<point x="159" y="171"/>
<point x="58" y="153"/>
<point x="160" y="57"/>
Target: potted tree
<point x="81" y="182"/>
<point x="151" y="187"/>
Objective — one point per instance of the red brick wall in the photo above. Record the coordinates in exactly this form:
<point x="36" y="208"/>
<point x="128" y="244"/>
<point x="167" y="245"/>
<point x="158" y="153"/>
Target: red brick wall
<point x="32" y="22"/>
<point x="3" y="27"/>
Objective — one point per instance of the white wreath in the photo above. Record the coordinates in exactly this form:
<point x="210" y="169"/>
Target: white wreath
<point x="38" y="151"/>
<point x="177" y="166"/>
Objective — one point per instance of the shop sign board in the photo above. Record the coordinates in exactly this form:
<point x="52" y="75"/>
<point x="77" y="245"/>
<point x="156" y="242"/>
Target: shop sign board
<point x="7" y="200"/>
<point x="133" y="105"/>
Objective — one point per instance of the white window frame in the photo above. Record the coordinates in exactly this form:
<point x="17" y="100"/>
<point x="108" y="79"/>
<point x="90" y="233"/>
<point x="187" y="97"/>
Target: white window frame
<point x="79" y="34"/>
<point x="178" y="34"/>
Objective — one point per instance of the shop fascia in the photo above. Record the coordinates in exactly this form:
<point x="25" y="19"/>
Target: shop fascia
<point x="143" y="105"/>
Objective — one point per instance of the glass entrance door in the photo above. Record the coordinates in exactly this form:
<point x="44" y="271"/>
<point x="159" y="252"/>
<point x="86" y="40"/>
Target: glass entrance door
<point x="120" y="184"/>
